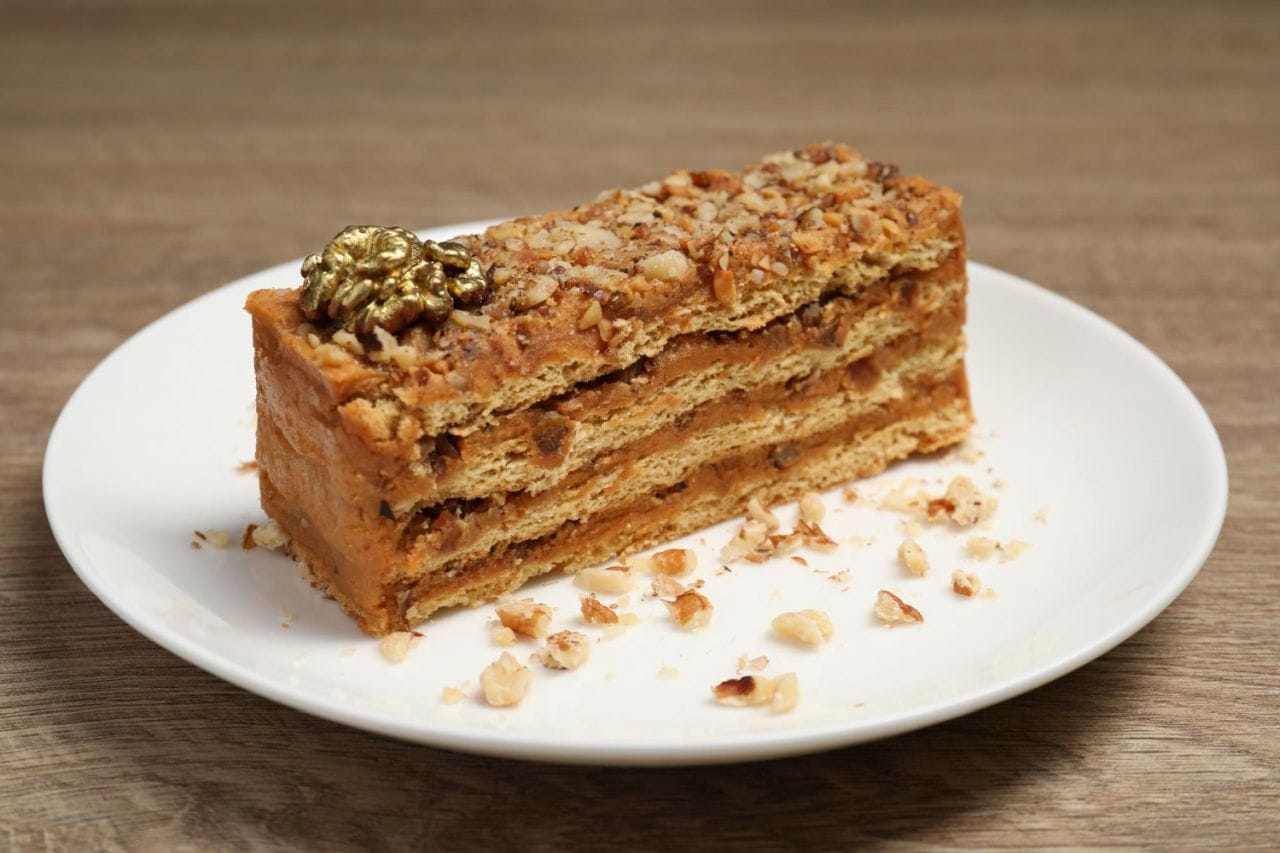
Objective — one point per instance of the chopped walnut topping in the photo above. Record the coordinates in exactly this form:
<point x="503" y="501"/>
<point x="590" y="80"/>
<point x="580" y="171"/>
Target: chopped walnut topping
<point x="451" y="695"/>
<point x="590" y="317"/>
<point x="613" y="580"/>
<point x="395" y="646"/>
<point x="270" y="536"/>
<point x="892" y="610"/>
<point x="538" y="292"/>
<point x="566" y="650"/>
<point x="811" y="627"/>
<point x="348" y="342"/>
<point x="725" y="287"/>
<point x="502" y="636"/>
<point x="981" y="547"/>
<point x="526" y="617"/>
<point x="758" y="512"/>
<point x="964" y="583"/>
<point x="674" y="561"/>
<point x="596" y="613"/>
<point x="815" y="537"/>
<point x="691" y="609"/>
<point x="812" y="508"/>
<point x="963" y="504"/>
<point x="670" y="265"/>
<point x="505" y="682"/>
<point x="913" y="558"/>
<point x="390" y="349"/>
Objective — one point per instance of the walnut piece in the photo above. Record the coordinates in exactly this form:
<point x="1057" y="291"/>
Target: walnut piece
<point x="812" y="508"/>
<point x="750" y="542"/>
<point x="781" y="693"/>
<point x="1013" y="549"/>
<point x="963" y="504"/>
<point x="613" y="580"/>
<point x="811" y="627"/>
<point x="963" y="583"/>
<point x="892" y="610"/>
<point x="674" y="561"/>
<point x="913" y="558"/>
<point x="526" y="617"/>
<point x="566" y="650"/>
<point x="981" y="547"/>
<point x="451" y="695"/>
<point x="395" y="646"/>
<point x="691" y="609"/>
<point x="665" y="586"/>
<point x="505" y="682"/>
<point x="815" y="537"/>
<point x="759" y="512"/>
<point x="596" y="613"/>
<point x="502" y="636"/>
<point x="270" y="536"/>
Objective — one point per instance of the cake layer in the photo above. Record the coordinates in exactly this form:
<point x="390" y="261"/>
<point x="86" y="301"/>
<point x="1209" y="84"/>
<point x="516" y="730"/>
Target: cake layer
<point x="716" y="492"/>
<point x="731" y="423"/>
<point x="779" y="471"/>
<point x="584" y="292"/>
<point x="537" y="448"/>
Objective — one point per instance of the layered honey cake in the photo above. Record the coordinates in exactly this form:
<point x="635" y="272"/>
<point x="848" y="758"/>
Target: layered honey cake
<point x="438" y="423"/>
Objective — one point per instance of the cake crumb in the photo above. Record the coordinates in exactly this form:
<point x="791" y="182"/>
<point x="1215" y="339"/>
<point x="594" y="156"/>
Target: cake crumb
<point x="270" y="536"/>
<point x="812" y="509"/>
<point x="613" y="580"/>
<point x="963" y="504"/>
<point x="964" y="583"/>
<point x="988" y="592"/>
<point x="526" y="617"/>
<point x="691" y="610"/>
<point x="565" y="650"/>
<point x="668" y="672"/>
<point x="850" y="494"/>
<point x="595" y="613"/>
<point x="505" y="681"/>
<point x="451" y="696"/>
<point x="628" y="619"/>
<point x="913" y="558"/>
<point x="395" y="646"/>
<point x="892" y="610"/>
<point x="501" y="635"/>
<point x="1042" y="515"/>
<point x="811" y="627"/>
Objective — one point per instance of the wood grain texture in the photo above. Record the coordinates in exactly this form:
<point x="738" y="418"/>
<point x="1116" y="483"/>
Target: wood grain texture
<point x="1127" y="156"/>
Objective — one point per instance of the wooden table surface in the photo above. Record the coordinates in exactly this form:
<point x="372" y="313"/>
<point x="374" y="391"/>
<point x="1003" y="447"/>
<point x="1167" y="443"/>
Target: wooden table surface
<point x="1126" y="156"/>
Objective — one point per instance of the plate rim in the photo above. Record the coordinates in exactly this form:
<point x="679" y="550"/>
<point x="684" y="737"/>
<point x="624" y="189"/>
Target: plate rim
<point x="748" y="746"/>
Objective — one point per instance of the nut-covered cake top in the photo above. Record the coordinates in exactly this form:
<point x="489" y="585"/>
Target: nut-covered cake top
<point x="582" y="292"/>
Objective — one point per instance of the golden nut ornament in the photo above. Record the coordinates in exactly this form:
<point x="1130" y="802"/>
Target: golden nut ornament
<point x="373" y="276"/>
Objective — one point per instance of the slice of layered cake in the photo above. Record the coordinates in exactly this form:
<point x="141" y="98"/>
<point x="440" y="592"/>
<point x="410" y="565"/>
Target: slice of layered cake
<point x="438" y="423"/>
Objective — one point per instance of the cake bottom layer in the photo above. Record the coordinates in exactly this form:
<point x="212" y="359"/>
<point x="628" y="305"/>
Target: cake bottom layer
<point x="719" y="490"/>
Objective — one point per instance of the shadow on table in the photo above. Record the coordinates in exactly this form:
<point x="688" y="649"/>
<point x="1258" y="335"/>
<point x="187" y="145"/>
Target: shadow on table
<point x="172" y="753"/>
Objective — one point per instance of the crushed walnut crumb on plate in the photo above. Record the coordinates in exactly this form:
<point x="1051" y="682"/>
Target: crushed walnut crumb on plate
<point x="1045" y="375"/>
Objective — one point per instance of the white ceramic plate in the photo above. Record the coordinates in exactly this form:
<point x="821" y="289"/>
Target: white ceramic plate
<point x="1082" y="425"/>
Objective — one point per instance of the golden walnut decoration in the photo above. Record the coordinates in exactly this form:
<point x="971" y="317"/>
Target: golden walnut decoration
<point x="372" y="276"/>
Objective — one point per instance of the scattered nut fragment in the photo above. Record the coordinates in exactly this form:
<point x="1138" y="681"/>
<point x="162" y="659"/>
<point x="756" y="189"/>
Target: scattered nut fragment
<point x="216" y="538"/>
<point x="815" y="537"/>
<point x="451" y="696"/>
<point x="526" y="617"/>
<point x="270" y="536"/>
<point x="504" y="682"/>
<point x="691" y="609"/>
<point x="596" y="613"/>
<point x="892" y="610"/>
<point x="850" y="494"/>
<point x="913" y="558"/>
<point x="395" y="646"/>
<point x="746" y="690"/>
<point x="786" y="694"/>
<point x="963" y="504"/>
<point x="665" y="586"/>
<point x="565" y="650"/>
<point x="502" y="636"/>
<point x="674" y="561"/>
<point x="1012" y="550"/>
<point x="246" y="541"/>
<point x="811" y="627"/>
<point x="759" y="663"/>
<point x="906" y="497"/>
<point x="759" y="512"/>
<point x="981" y="547"/>
<point x="812" y="508"/>
<point x="613" y="580"/>
<point x="751" y="542"/>
<point x="668" y="672"/>
<point x="1042" y="515"/>
<point x="963" y="583"/>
